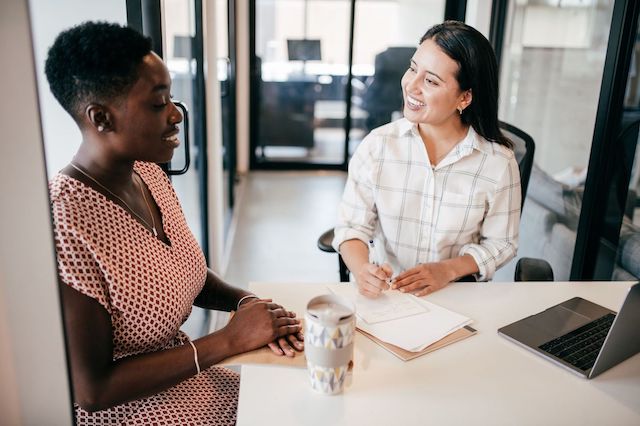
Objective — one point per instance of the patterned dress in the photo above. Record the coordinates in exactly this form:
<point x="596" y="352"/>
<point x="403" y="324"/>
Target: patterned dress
<point x="147" y="287"/>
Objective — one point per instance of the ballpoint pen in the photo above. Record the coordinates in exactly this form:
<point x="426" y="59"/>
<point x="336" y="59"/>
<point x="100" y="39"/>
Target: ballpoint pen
<point x="376" y="259"/>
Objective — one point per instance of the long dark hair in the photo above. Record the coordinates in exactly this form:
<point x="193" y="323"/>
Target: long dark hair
<point x="477" y="70"/>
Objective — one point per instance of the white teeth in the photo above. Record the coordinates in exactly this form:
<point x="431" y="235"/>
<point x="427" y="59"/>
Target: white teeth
<point x="414" y="101"/>
<point x="172" y="139"/>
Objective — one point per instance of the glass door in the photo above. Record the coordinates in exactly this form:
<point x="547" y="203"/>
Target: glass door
<point x="380" y="58"/>
<point x="552" y="66"/>
<point x="183" y="55"/>
<point x="300" y="81"/>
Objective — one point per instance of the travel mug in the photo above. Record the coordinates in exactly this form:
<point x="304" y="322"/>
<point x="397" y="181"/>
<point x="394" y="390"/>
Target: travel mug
<point x="330" y="324"/>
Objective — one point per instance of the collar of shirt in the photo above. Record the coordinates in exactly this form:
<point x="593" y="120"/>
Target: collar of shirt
<point x="465" y="147"/>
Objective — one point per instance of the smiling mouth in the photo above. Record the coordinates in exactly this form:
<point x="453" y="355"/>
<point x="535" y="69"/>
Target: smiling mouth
<point x="173" y="139"/>
<point x="414" y="103"/>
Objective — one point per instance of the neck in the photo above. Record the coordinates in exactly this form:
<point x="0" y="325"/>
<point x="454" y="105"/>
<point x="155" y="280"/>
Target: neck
<point x="113" y="172"/>
<point x="445" y="134"/>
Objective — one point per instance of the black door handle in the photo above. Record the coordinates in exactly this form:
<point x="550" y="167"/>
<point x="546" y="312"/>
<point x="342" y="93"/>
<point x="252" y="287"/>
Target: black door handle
<point x="185" y="126"/>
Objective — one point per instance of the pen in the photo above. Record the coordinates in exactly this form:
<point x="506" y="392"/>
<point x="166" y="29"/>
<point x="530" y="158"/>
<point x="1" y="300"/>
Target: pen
<point x="377" y="260"/>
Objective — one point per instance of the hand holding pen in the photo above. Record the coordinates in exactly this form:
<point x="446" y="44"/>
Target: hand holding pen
<point x="381" y="272"/>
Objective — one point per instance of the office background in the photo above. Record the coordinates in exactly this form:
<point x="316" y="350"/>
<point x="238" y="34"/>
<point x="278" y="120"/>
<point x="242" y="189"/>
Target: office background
<point x="272" y="133"/>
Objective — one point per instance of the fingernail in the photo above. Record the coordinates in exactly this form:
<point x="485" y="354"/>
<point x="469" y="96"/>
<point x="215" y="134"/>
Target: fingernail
<point x="402" y="290"/>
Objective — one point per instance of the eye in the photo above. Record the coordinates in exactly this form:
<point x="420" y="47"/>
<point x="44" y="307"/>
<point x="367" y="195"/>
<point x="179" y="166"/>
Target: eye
<point x="163" y="103"/>
<point x="431" y="82"/>
<point x="412" y="69"/>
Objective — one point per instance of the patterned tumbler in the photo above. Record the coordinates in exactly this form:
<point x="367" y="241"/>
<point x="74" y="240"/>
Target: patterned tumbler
<point x="330" y="324"/>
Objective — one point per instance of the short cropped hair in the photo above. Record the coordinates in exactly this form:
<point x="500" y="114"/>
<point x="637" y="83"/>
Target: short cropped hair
<point x="94" y="62"/>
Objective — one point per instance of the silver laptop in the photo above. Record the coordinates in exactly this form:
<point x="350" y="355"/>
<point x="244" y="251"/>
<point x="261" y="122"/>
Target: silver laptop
<point x="581" y="335"/>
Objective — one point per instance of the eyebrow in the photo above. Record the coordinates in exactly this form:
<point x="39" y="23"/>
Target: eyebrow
<point x="160" y="87"/>
<point x="429" y="72"/>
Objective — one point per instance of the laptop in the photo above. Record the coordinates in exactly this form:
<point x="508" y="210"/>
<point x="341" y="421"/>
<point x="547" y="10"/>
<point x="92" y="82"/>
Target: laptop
<point x="580" y="335"/>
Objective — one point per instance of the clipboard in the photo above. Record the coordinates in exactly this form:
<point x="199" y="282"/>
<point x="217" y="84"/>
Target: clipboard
<point x="405" y="355"/>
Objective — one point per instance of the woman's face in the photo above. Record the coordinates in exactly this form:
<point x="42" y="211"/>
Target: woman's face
<point x="430" y="90"/>
<point x="145" y="121"/>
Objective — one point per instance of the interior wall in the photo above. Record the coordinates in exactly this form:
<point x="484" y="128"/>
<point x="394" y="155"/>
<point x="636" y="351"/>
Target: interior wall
<point x="33" y="369"/>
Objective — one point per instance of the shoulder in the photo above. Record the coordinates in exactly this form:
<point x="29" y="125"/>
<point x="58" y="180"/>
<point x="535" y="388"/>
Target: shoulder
<point x="379" y="138"/>
<point x="498" y="154"/>
<point x="151" y="170"/>
<point x="396" y="129"/>
<point x="65" y="193"/>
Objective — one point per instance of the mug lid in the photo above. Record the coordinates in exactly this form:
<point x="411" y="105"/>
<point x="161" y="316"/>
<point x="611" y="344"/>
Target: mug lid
<point x="330" y="308"/>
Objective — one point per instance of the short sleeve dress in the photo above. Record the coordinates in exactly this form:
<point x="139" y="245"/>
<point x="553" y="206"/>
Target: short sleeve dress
<point x="147" y="287"/>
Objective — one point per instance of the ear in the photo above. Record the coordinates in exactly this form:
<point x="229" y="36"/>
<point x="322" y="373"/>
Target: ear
<point x="466" y="98"/>
<point x="99" y="117"/>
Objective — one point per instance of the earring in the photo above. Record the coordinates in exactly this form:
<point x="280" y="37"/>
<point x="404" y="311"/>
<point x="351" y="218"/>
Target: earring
<point x="100" y="128"/>
<point x="460" y="110"/>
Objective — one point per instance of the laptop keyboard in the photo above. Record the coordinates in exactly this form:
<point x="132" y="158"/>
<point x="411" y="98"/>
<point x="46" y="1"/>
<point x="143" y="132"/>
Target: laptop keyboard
<point x="581" y="347"/>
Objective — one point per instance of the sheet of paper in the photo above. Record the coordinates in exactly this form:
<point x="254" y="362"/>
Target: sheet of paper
<point x="415" y="332"/>
<point x="388" y="306"/>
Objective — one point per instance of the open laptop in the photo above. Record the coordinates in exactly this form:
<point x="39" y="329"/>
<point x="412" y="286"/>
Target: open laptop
<point x="581" y="335"/>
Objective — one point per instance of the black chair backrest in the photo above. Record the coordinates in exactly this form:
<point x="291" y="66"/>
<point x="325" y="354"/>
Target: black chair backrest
<point x="524" y="148"/>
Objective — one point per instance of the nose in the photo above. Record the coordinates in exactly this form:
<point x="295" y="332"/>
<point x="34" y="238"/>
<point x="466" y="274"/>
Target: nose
<point x="175" y="116"/>
<point x="412" y="81"/>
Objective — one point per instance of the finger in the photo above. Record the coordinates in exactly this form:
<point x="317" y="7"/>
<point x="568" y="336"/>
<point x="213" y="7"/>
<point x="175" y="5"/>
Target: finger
<point x="286" y="347"/>
<point x="366" y="292"/>
<point x="386" y="268"/>
<point x="288" y="329"/>
<point x="278" y="313"/>
<point x="275" y="348"/>
<point x="380" y="273"/>
<point x="370" y="288"/>
<point x="273" y="306"/>
<point x="294" y="342"/>
<point x="416" y="285"/>
<point x="423" y="292"/>
<point x="279" y="322"/>
<point x="408" y="273"/>
<point x="400" y="283"/>
<point x="300" y="336"/>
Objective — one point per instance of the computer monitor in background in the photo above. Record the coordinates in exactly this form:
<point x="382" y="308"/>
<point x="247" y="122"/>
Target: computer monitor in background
<point x="304" y="50"/>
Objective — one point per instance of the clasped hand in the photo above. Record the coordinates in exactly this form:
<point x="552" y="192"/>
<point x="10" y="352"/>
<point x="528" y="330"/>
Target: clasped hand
<point x="420" y="280"/>
<point x="261" y="322"/>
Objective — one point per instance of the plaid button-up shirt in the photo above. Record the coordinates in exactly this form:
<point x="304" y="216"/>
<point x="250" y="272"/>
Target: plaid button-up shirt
<point x="416" y="213"/>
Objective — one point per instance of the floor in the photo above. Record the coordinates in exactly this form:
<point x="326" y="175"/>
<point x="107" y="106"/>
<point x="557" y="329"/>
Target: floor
<point x="279" y="217"/>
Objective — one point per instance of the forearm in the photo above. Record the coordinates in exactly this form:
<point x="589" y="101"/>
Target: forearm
<point x="219" y="295"/>
<point x="355" y="254"/>
<point x="140" y="376"/>
<point x="459" y="267"/>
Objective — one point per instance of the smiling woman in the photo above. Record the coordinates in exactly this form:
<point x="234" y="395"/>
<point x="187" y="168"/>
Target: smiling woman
<point x="130" y="269"/>
<point x="439" y="189"/>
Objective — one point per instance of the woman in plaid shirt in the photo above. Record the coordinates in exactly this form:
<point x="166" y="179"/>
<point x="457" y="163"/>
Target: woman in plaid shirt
<point x="436" y="194"/>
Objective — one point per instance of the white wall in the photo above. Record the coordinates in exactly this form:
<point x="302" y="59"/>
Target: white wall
<point x="48" y="19"/>
<point x="33" y="371"/>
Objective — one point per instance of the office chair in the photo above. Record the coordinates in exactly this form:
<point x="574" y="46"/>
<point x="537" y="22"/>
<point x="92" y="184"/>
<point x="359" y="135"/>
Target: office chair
<point x="527" y="269"/>
<point x="383" y="95"/>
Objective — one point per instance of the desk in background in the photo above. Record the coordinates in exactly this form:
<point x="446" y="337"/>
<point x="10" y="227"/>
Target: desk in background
<point x="484" y="379"/>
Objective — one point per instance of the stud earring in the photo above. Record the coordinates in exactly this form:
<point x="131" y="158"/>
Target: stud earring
<point x="100" y="128"/>
<point x="460" y="110"/>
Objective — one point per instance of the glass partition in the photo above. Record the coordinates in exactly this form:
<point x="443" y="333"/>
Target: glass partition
<point x="551" y="72"/>
<point x="302" y="52"/>
<point x="380" y="58"/>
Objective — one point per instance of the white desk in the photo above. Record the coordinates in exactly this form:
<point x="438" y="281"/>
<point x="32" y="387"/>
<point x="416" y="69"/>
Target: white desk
<point x="483" y="379"/>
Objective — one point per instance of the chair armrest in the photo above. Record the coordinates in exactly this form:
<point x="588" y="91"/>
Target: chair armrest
<point x="325" y="240"/>
<point x="530" y="269"/>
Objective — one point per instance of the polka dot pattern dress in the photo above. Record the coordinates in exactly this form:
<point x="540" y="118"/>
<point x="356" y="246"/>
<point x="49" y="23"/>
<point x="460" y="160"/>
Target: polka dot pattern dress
<point x="147" y="287"/>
